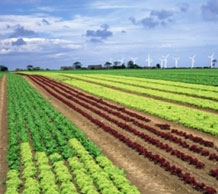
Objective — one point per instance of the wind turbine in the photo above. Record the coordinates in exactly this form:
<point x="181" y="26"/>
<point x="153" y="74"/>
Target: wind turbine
<point x="211" y="60"/>
<point x="134" y="60"/>
<point x="165" y="60"/>
<point x="176" y="61"/>
<point x="149" y="60"/>
<point x="193" y="61"/>
<point x="161" y="62"/>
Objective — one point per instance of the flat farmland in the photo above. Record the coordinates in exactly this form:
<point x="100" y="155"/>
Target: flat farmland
<point x="195" y="76"/>
<point x="110" y="131"/>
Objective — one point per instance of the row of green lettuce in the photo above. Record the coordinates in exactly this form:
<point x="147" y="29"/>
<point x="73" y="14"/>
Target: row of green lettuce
<point x="48" y="154"/>
<point x="197" y="119"/>
<point x="192" y="89"/>
<point x="130" y="86"/>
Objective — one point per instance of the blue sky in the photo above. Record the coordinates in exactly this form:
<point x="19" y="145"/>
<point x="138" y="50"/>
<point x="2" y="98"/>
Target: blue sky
<point x="51" y="34"/>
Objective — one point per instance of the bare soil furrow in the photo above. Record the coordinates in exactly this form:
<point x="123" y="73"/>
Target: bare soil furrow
<point x="3" y="134"/>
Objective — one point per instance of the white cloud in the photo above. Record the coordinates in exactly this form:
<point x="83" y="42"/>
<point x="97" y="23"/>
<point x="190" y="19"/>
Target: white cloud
<point x="37" y="45"/>
<point x="57" y="27"/>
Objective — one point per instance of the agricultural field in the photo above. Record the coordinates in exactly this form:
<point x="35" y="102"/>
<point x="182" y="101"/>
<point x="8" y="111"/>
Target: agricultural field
<point x="195" y="76"/>
<point x="48" y="154"/>
<point x="111" y="131"/>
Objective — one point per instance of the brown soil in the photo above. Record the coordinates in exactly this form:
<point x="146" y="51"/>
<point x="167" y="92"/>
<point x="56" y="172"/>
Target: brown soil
<point x="149" y="178"/>
<point x="3" y="134"/>
<point x="149" y="96"/>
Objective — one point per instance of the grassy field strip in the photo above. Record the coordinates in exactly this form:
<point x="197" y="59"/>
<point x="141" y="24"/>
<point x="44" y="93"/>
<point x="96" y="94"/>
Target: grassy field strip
<point x="202" y="103"/>
<point x="165" y="87"/>
<point x="197" y="119"/>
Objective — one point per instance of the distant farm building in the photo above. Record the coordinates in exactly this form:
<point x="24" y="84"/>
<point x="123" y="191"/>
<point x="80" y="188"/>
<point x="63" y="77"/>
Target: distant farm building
<point x="94" y="66"/>
<point x="66" y="68"/>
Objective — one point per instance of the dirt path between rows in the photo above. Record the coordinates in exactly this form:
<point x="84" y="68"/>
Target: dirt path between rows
<point x="3" y="134"/>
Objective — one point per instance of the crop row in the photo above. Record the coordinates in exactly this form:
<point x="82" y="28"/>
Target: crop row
<point x="33" y="120"/>
<point x="192" y="89"/>
<point x="164" y="135"/>
<point x="98" y="101"/>
<point x="145" y="137"/>
<point x="214" y="173"/>
<point x="130" y="86"/>
<point x="187" y="178"/>
<point x="197" y="119"/>
<point x="54" y="176"/>
<point x="80" y="100"/>
<point x="97" y="171"/>
<point x="193" y="138"/>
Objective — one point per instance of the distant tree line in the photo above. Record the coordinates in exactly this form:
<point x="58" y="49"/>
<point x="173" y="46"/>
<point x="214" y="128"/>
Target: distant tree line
<point x="31" y="68"/>
<point x="108" y="65"/>
<point x="3" y="68"/>
<point x="76" y="65"/>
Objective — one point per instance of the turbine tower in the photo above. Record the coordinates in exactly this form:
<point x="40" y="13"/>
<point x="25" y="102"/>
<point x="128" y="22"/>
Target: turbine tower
<point x="149" y="61"/>
<point x="161" y="62"/>
<point x="165" y="60"/>
<point x="193" y="61"/>
<point x="211" y="60"/>
<point x="134" y="60"/>
<point x="176" y="61"/>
